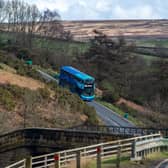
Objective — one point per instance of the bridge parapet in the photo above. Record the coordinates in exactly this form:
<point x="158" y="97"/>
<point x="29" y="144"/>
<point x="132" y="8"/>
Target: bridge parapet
<point x="53" y="138"/>
<point x="131" y="131"/>
<point x="98" y="151"/>
<point x="49" y="140"/>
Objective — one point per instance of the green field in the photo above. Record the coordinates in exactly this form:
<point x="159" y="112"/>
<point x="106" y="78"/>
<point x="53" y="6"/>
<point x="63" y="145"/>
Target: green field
<point x="152" y="42"/>
<point x="148" y="58"/>
<point x="60" y="45"/>
<point x="120" y="112"/>
<point x="151" y="161"/>
<point x="71" y="48"/>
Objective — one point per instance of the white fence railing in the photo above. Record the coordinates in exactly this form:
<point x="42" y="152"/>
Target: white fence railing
<point x="132" y="146"/>
<point x="20" y="164"/>
<point x="64" y="158"/>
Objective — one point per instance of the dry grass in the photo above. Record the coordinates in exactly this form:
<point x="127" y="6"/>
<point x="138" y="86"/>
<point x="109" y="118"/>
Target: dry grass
<point x="132" y="105"/>
<point x="7" y="68"/>
<point x="84" y="29"/>
<point x="14" y="79"/>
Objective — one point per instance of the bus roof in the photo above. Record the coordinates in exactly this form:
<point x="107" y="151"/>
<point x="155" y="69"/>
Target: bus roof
<point x="76" y="73"/>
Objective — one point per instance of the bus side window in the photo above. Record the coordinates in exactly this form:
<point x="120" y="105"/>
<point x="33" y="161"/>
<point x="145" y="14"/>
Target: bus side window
<point x="75" y="78"/>
<point x="79" y="80"/>
<point x="63" y="72"/>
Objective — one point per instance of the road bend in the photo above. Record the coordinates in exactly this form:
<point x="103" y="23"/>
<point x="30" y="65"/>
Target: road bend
<point x="109" y="117"/>
<point x="163" y="164"/>
<point x="46" y="76"/>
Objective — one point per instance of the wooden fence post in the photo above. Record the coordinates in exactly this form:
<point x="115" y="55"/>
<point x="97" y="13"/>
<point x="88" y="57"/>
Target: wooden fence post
<point x="133" y="152"/>
<point x="118" y="156"/>
<point x="29" y="162"/>
<point x="78" y="159"/>
<point x="98" y="157"/>
<point x="57" y="160"/>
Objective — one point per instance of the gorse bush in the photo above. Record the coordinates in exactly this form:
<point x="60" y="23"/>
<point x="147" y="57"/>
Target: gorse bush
<point x="19" y="65"/>
<point x="44" y="93"/>
<point x="6" y="98"/>
<point x="110" y="93"/>
<point x="23" y="53"/>
<point x="67" y="99"/>
<point x="91" y="114"/>
<point x="110" y="96"/>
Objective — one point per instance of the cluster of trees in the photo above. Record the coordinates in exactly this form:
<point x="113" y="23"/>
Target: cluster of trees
<point x="118" y="71"/>
<point x="121" y="73"/>
<point x="31" y="106"/>
<point x="109" y="60"/>
<point x="26" y="20"/>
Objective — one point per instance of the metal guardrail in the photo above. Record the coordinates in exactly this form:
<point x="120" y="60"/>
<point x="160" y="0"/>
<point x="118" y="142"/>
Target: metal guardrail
<point x="19" y="164"/>
<point x="65" y="158"/>
<point x="134" y="131"/>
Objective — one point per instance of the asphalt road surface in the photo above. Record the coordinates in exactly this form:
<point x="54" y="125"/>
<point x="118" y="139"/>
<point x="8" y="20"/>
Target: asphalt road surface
<point x="109" y="117"/>
<point x="46" y="76"/>
<point x="163" y="164"/>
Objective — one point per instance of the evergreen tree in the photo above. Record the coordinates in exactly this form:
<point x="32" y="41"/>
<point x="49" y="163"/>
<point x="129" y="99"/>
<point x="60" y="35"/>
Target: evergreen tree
<point x="161" y="76"/>
<point x="107" y="58"/>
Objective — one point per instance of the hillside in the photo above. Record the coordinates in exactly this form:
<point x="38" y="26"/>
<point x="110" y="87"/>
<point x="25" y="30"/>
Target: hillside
<point x="82" y="30"/>
<point x="116" y="76"/>
<point x="26" y="101"/>
<point x="21" y="81"/>
<point x="134" y="29"/>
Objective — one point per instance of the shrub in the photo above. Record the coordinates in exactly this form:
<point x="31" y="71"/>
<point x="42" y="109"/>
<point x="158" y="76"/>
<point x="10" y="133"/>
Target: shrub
<point x="44" y="93"/>
<point x="110" y="96"/>
<point x="91" y="114"/>
<point x="67" y="99"/>
<point x="6" y="99"/>
<point x="16" y="91"/>
<point x="129" y="110"/>
<point x="11" y="48"/>
<point x="23" y="53"/>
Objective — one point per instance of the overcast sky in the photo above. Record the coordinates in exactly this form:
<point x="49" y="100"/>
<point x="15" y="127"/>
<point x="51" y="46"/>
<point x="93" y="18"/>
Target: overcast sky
<point x="106" y="9"/>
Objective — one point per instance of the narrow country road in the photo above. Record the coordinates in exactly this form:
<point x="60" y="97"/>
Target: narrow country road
<point x="109" y="117"/>
<point x="163" y="164"/>
<point x="47" y="76"/>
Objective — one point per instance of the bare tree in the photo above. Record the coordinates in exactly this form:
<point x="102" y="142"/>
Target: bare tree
<point x="25" y="21"/>
<point x="49" y="23"/>
<point x="2" y="11"/>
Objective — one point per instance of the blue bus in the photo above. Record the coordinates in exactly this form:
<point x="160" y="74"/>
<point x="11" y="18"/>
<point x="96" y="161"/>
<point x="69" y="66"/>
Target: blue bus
<point x="78" y="82"/>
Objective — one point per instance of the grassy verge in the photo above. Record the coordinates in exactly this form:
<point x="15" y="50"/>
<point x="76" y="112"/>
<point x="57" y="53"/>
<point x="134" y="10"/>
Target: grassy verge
<point x="120" y="112"/>
<point x="125" y="162"/>
<point x="7" y="68"/>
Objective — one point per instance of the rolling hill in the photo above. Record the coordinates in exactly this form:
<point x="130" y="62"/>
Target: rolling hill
<point x="27" y="101"/>
<point x="83" y="30"/>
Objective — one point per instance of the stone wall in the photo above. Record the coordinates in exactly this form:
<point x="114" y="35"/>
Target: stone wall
<point x="22" y="143"/>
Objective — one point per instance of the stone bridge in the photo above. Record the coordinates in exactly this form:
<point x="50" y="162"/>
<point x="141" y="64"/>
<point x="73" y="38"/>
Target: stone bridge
<point x="34" y="141"/>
